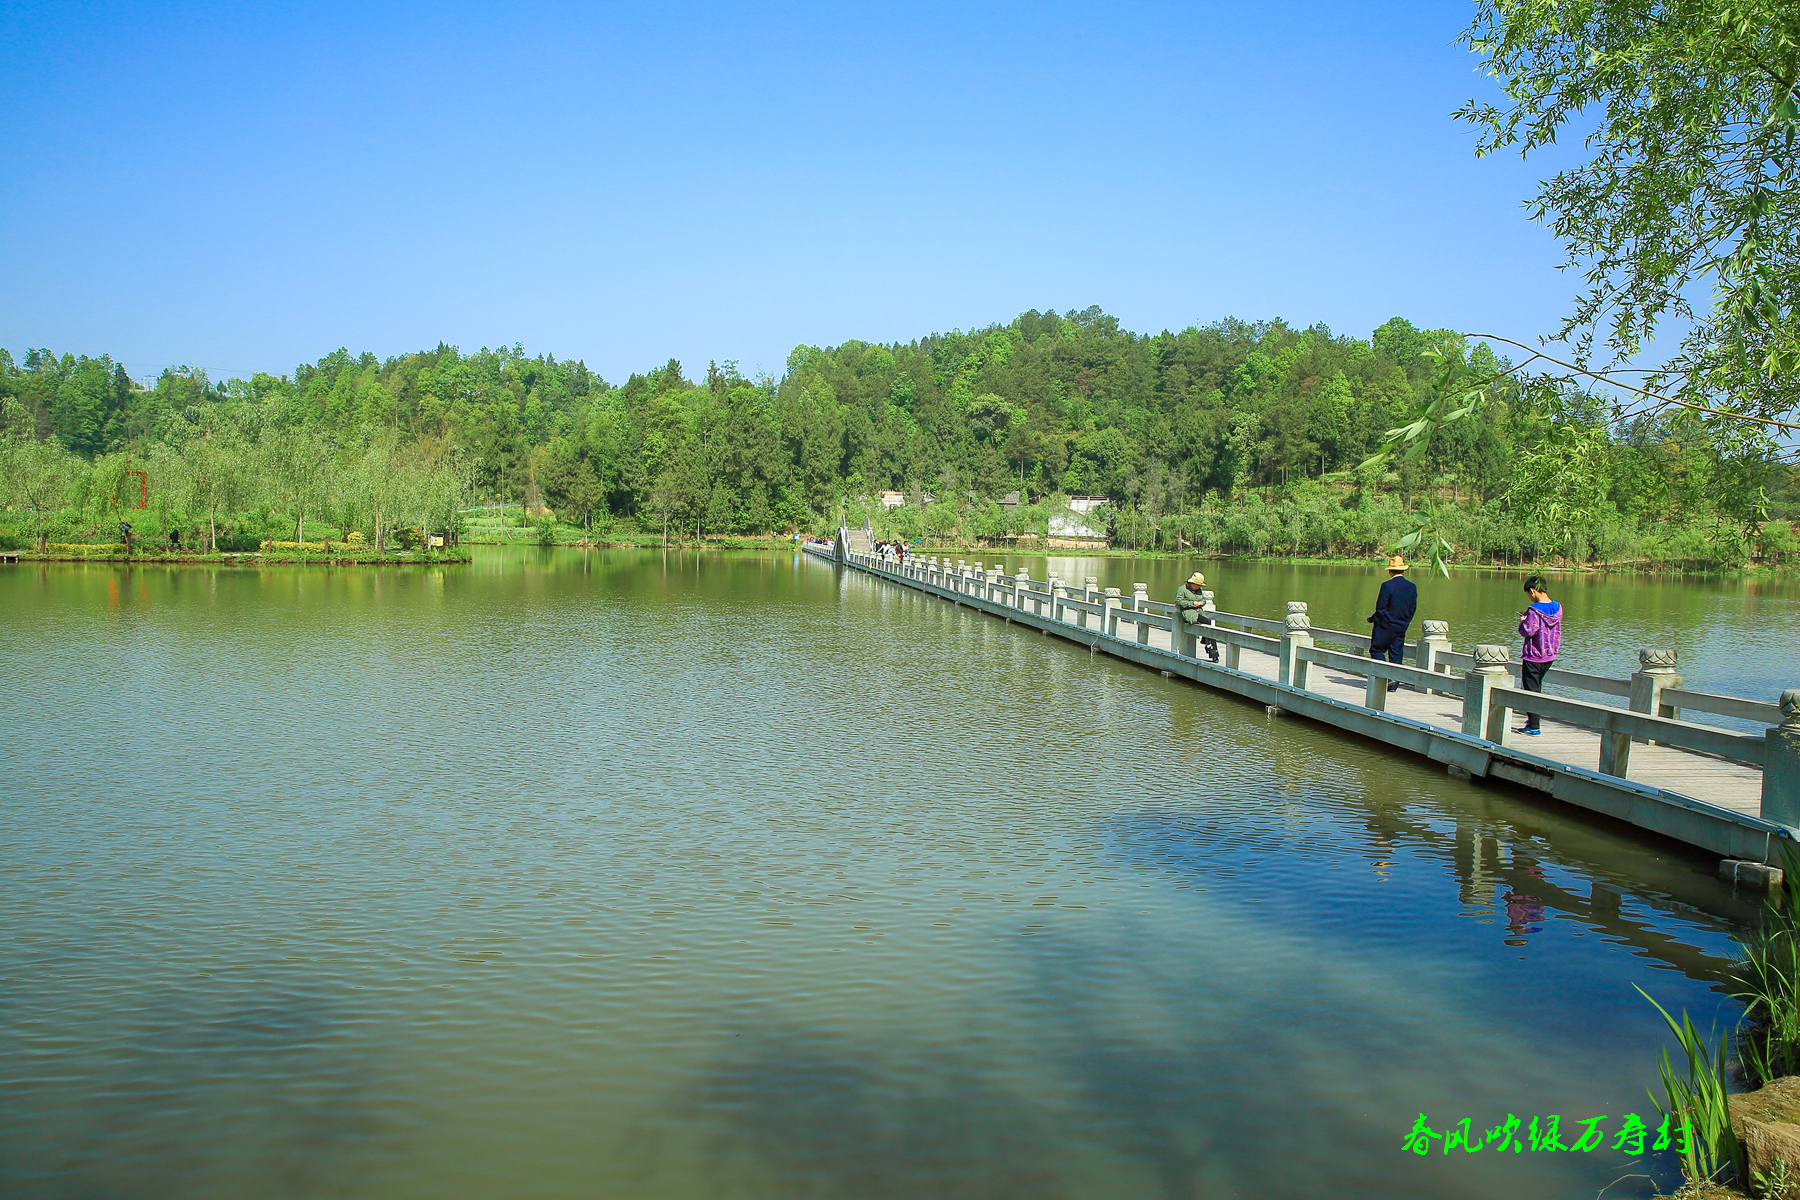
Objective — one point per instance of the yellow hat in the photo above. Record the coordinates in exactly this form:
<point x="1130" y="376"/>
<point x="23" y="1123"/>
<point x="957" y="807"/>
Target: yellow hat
<point x="1396" y="563"/>
<point x="1197" y="579"/>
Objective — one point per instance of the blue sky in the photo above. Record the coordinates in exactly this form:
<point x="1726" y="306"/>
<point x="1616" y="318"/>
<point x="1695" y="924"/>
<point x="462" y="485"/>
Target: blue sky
<point x="246" y="187"/>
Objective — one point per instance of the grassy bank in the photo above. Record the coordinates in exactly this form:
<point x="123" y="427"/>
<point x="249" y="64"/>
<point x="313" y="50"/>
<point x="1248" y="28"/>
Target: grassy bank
<point x="337" y="556"/>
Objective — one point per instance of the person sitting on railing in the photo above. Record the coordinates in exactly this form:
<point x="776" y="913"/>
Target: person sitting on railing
<point x="1193" y="610"/>
<point x="1541" y="627"/>
<point x="1395" y="605"/>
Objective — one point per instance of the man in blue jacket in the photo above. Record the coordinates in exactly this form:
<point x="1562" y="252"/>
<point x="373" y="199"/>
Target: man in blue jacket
<point x="1395" y="605"/>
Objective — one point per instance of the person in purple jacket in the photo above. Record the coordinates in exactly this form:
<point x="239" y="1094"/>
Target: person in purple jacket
<point x="1541" y="627"/>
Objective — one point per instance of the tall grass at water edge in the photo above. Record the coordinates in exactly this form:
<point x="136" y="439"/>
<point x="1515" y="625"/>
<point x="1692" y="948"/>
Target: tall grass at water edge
<point x="1767" y="1039"/>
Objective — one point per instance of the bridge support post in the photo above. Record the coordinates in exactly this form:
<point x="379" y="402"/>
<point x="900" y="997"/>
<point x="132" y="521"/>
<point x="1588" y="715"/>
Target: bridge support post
<point x="1294" y="669"/>
<point x="1656" y="671"/>
<point x="1482" y="718"/>
<point x="1781" y="764"/>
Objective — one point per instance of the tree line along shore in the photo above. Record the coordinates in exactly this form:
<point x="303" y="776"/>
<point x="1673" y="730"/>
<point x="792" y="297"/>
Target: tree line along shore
<point x="1235" y="438"/>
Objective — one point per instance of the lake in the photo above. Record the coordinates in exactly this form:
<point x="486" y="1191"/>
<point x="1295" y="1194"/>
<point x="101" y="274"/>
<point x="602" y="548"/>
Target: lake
<point x="615" y="874"/>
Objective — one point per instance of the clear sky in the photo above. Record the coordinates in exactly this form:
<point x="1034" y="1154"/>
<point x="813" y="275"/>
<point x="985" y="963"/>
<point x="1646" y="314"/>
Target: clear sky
<point x="244" y="187"/>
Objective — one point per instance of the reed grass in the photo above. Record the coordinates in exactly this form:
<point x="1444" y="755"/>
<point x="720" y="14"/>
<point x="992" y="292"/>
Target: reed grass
<point x="1699" y="1102"/>
<point x="1769" y="983"/>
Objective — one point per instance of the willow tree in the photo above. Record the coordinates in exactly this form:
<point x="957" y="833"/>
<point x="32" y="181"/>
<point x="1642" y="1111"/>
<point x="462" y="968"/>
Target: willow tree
<point x="380" y="485"/>
<point x="213" y="471"/>
<point x="34" y="471"/>
<point x="1690" y="113"/>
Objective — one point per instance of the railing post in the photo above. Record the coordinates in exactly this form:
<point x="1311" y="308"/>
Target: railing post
<point x="1483" y="718"/>
<point x="1781" y="764"/>
<point x="1233" y="652"/>
<point x="1181" y="637"/>
<point x="1092" y="592"/>
<point x="1021" y="589"/>
<point x="1140" y="597"/>
<point x="1294" y="670"/>
<point x="1433" y="646"/>
<point x="1050" y="586"/>
<point x="1109" y="618"/>
<point x="1656" y="671"/>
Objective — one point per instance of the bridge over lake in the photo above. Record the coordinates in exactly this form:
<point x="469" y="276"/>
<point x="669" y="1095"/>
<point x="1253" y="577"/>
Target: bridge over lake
<point x="1733" y="791"/>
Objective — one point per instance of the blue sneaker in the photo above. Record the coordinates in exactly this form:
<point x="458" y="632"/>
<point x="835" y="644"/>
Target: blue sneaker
<point x="1533" y="732"/>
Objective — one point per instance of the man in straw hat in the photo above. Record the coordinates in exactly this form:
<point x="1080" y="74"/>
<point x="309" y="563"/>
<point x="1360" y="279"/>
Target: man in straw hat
<point x="1189" y="598"/>
<point x="1395" y="605"/>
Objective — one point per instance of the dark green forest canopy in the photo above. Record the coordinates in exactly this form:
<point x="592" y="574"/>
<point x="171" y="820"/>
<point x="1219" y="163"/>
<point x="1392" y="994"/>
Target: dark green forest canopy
<point x="1057" y="403"/>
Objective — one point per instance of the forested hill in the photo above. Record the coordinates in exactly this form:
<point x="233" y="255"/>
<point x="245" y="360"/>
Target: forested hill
<point x="1165" y="424"/>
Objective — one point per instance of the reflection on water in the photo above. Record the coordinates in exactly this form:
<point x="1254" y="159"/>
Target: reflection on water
<point x="608" y="874"/>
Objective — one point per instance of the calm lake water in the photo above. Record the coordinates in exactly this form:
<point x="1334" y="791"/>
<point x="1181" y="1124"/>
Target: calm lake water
<point x="602" y="874"/>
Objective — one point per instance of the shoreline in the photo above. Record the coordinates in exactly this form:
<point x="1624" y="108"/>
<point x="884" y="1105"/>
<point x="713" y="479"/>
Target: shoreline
<point x="464" y="553"/>
<point x="1642" y="567"/>
<point x="256" y="558"/>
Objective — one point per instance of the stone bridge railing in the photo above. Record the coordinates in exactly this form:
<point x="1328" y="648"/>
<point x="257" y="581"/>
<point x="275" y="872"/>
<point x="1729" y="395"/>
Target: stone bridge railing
<point x="1654" y="694"/>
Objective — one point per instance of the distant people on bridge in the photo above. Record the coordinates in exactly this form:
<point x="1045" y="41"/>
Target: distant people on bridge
<point x="1192" y="606"/>
<point x="1395" y="605"/>
<point x="1540" y="625"/>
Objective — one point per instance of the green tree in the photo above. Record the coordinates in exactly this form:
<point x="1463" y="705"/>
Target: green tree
<point x="585" y="494"/>
<point x="35" y="472"/>
<point x="1690" y="112"/>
